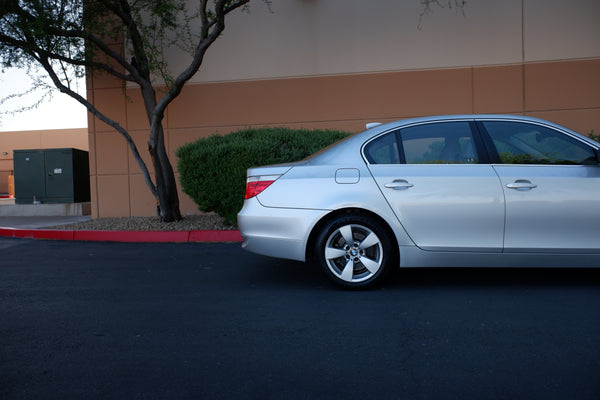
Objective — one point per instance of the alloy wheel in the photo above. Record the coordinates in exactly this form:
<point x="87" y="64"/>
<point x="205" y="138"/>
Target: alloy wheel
<point x="353" y="253"/>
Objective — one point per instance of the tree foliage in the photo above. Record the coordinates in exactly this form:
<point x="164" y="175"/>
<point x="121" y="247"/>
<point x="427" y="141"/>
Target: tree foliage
<point x="67" y="38"/>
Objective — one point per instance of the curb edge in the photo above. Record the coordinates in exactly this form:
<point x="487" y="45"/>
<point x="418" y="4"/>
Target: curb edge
<point x="124" y="236"/>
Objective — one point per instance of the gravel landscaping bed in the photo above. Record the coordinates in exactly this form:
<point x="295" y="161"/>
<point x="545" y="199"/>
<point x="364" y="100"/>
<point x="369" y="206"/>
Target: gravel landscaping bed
<point x="189" y="223"/>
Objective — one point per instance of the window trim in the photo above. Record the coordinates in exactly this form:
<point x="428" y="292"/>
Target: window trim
<point x="400" y="146"/>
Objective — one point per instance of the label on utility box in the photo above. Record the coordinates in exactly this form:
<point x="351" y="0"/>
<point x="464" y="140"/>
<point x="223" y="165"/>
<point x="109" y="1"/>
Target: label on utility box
<point x="58" y="170"/>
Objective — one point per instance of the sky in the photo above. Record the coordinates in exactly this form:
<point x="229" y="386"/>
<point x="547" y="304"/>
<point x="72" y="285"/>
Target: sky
<point x="61" y="112"/>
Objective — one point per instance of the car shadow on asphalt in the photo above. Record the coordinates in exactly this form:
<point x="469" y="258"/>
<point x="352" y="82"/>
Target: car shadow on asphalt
<point x="493" y="277"/>
<point x="267" y="271"/>
<point x="295" y="274"/>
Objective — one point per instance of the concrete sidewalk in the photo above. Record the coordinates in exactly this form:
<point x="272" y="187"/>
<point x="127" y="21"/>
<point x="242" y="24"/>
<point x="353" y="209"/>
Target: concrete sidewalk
<point x="33" y="221"/>
<point x="37" y="222"/>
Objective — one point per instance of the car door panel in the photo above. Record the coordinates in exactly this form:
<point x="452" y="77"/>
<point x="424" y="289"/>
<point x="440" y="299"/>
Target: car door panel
<point x="551" y="184"/>
<point x="559" y="214"/>
<point x="446" y="207"/>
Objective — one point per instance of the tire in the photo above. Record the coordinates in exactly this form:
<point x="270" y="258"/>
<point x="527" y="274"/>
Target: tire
<point x="354" y="251"/>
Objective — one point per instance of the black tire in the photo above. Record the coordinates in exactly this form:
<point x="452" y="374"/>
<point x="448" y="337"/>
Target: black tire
<point x="354" y="251"/>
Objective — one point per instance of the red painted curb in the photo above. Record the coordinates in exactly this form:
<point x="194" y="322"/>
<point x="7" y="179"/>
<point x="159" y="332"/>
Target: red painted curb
<point x="124" y="236"/>
<point x="131" y="236"/>
<point x="212" y="236"/>
<point x="36" y="234"/>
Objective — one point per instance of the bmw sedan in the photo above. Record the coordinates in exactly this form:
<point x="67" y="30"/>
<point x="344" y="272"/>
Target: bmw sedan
<point x="457" y="191"/>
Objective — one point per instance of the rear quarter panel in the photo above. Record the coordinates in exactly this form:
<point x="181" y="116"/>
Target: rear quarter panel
<point x="315" y="188"/>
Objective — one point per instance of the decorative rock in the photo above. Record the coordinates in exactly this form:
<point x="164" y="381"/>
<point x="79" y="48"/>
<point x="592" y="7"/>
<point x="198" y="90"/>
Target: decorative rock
<point x="188" y="223"/>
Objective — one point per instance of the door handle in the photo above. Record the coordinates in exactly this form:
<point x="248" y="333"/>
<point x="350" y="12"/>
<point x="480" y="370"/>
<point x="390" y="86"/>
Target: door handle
<point x="521" y="184"/>
<point x="399" y="184"/>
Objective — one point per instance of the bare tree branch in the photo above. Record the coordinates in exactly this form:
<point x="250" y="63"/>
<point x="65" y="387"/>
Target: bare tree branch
<point x="102" y="117"/>
<point x="65" y="36"/>
<point x="429" y="4"/>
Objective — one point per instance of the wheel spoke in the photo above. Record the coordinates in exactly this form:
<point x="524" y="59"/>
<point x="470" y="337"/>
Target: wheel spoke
<point x="348" y="271"/>
<point x="332" y="253"/>
<point x="346" y="232"/>
<point x="369" y="241"/>
<point x="371" y="265"/>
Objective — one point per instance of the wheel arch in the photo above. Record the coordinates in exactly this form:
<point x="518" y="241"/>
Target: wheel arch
<point x="312" y="238"/>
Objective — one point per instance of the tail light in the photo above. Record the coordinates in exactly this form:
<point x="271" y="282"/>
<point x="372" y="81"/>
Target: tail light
<point x="256" y="184"/>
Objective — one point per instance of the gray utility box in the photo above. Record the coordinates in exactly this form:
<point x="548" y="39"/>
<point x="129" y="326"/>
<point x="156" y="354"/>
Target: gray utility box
<point x="51" y="176"/>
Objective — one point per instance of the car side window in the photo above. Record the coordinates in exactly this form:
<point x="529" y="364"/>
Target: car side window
<point x="383" y="150"/>
<point x="439" y="143"/>
<point x="524" y="143"/>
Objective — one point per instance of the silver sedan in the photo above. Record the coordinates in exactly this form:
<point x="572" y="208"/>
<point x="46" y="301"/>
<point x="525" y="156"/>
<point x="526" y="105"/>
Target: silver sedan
<point x="463" y="191"/>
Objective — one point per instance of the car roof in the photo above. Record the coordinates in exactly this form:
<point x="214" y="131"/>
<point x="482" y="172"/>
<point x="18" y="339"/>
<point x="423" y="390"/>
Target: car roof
<point x="356" y="141"/>
<point x="461" y="117"/>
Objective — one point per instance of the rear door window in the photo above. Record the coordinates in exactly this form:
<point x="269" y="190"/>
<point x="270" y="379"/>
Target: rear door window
<point x="439" y="143"/>
<point x="434" y="143"/>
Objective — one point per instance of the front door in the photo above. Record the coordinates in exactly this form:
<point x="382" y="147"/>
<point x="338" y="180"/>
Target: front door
<point x="551" y="183"/>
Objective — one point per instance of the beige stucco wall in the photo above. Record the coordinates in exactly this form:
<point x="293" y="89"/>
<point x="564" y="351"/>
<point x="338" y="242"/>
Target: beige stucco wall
<point x="340" y="64"/>
<point x="314" y="38"/>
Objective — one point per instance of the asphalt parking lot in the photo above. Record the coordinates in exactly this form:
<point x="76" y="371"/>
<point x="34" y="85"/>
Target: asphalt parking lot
<point x="210" y="321"/>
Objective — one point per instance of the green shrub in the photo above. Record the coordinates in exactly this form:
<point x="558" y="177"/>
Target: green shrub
<point x="213" y="170"/>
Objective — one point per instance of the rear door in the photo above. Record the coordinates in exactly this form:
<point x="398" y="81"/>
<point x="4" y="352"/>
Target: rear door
<point x="444" y="193"/>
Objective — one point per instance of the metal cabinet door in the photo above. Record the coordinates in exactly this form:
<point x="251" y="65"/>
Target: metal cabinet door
<point x="29" y="176"/>
<point x="59" y="175"/>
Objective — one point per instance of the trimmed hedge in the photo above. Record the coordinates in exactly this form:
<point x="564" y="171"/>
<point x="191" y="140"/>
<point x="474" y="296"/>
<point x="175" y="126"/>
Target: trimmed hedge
<point x="213" y="170"/>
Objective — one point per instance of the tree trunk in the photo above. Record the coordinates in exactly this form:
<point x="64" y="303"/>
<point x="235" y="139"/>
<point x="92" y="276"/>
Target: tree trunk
<point x="167" y="198"/>
<point x="166" y="185"/>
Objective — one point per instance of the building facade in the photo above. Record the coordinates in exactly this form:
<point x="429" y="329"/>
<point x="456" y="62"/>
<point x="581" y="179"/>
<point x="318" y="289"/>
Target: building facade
<point x="342" y="63"/>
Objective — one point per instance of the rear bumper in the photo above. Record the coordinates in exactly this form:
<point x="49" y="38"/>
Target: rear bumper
<point x="276" y="232"/>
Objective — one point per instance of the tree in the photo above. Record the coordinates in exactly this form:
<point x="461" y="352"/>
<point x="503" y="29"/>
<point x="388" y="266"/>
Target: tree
<point x="428" y="6"/>
<point x="64" y="38"/>
<point x="68" y="38"/>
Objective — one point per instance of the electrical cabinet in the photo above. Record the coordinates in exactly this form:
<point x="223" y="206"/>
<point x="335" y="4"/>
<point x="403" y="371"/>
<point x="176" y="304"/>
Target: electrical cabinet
<point x="51" y="176"/>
